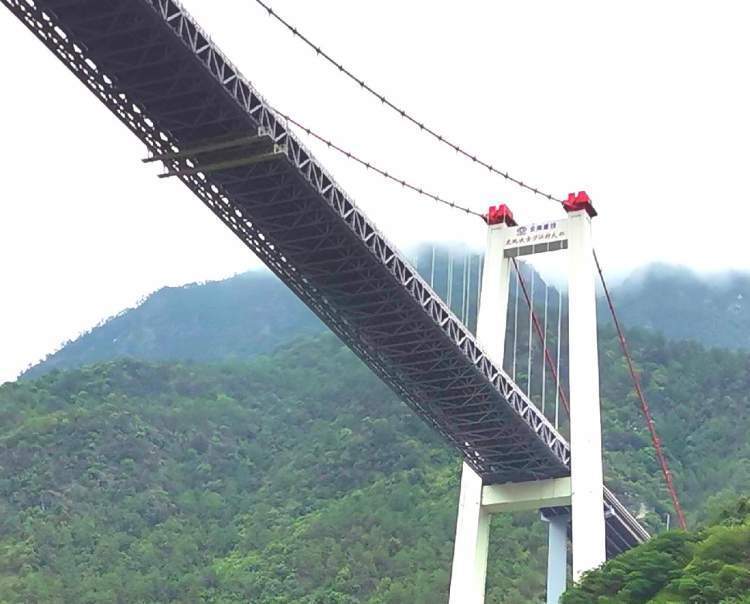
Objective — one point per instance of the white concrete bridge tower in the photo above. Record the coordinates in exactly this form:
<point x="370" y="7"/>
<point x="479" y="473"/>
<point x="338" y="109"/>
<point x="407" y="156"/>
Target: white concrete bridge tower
<point x="582" y="491"/>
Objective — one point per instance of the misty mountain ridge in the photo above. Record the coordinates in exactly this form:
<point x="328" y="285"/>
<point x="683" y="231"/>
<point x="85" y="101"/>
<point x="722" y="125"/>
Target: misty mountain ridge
<point x="253" y="313"/>
<point x="711" y="309"/>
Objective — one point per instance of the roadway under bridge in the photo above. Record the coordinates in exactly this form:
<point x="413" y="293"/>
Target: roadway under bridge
<point x="160" y="74"/>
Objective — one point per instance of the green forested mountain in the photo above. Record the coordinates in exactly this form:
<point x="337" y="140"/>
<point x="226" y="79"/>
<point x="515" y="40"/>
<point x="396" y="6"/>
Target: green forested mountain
<point x="236" y="318"/>
<point x="707" y="566"/>
<point x="298" y="477"/>
<point x="182" y="459"/>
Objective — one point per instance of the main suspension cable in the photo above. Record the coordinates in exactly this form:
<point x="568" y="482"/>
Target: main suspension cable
<point x="644" y="404"/>
<point x="458" y="149"/>
<point x="370" y="166"/>
<point x="402" y="112"/>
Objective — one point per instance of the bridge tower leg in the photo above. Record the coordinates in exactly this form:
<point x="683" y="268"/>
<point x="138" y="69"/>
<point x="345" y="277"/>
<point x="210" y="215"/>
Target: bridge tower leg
<point x="589" y="547"/>
<point x="469" y="571"/>
<point x="557" y="556"/>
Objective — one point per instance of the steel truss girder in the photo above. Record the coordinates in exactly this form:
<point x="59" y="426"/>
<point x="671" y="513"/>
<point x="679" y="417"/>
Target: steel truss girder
<point x="145" y="87"/>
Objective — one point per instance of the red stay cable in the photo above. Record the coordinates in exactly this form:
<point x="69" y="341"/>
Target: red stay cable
<point x="644" y="405"/>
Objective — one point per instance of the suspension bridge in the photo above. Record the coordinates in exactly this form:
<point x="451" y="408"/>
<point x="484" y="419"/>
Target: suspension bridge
<point x="150" y="63"/>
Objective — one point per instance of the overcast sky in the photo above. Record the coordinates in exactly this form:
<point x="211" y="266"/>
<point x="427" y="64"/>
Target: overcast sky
<point x="643" y="104"/>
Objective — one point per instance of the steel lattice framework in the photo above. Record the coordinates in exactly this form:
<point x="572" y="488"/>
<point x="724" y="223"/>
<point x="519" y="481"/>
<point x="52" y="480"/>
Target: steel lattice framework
<point x="153" y="67"/>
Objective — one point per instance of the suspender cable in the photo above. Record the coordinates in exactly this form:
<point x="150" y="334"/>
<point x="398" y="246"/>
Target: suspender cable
<point x="467" y="288"/>
<point x="463" y="292"/>
<point x="460" y="312"/>
<point x="515" y="325"/>
<point x="531" y="334"/>
<point x="538" y="330"/>
<point x="432" y="268"/>
<point x="557" y="373"/>
<point x="544" y="347"/>
<point x="460" y="305"/>
<point x="471" y="292"/>
<point x="449" y="295"/>
<point x="480" y="259"/>
<point x="644" y="404"/>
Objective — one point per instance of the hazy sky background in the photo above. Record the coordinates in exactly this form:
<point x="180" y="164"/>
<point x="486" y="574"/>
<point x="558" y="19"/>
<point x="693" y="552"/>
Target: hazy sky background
<point x="642" y="104"/>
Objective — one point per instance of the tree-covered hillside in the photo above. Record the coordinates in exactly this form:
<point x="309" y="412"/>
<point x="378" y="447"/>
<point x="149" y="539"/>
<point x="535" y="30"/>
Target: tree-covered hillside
<point x="708" y="566"/>
<point x="298" y="477"/>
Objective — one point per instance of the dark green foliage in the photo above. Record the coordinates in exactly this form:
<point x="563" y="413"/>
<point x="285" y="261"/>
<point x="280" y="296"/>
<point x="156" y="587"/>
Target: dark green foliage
<point x="699" y="398"/>
<point x="707" y="566"/>
<point x="295" y="478"/>
<point x="299" y="478"/>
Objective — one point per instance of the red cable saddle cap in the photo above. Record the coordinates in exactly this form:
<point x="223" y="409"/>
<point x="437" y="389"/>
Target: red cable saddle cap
<point x="500" y="214"/>
<point x="581" y="201"/>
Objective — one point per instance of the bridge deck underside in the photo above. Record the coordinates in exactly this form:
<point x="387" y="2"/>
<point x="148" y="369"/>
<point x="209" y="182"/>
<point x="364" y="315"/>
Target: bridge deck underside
<point x="152" y="66"/>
